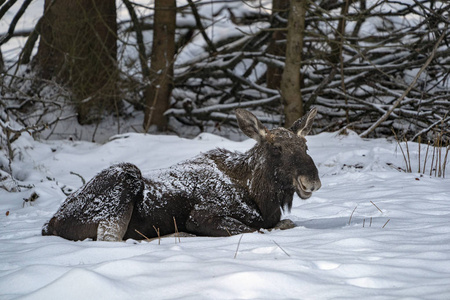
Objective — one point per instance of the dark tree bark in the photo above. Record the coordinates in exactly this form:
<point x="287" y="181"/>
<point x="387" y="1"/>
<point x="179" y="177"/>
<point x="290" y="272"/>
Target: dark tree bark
<point x="78" y="47"/>
<point x="273" y="74"/>
<point x="157" y="95"/>
<point x="290" y="82"/>
<point x="2" y="64"/>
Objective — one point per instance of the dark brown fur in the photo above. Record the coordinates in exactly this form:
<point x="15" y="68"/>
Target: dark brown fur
<point x="215" y="194"/>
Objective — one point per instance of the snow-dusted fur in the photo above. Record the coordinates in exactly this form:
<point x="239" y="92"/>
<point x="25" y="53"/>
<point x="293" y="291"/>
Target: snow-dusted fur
<point x="216" y="193"/>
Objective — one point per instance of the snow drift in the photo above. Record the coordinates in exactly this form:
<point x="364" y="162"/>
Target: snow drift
<point x="344" y="247"/>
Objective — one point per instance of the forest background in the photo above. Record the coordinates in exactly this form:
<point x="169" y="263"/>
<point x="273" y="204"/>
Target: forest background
<point x="88" y="69"/>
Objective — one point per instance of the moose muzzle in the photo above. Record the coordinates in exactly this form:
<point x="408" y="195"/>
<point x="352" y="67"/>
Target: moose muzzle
<point x="305" y="186"/>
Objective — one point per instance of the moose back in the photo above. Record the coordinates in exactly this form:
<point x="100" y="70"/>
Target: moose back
<point x="217" y="193"/>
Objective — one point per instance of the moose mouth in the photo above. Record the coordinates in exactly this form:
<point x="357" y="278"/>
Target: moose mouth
<point x="301" y="189"/>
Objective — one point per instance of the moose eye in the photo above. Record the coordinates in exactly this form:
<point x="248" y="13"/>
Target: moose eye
<point x="277" y="149"/>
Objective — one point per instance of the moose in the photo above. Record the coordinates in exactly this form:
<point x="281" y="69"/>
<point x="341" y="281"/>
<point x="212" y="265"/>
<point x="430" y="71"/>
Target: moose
<point x="217" y="193"/>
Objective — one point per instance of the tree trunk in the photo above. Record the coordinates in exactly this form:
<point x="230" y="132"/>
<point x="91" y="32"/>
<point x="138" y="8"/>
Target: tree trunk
<point x="78" y="47"/>
<point x="2" y="64"/>
<point x="290" y="82"/>
<point x="273" y="74"/>
<point x="157" y="94"/>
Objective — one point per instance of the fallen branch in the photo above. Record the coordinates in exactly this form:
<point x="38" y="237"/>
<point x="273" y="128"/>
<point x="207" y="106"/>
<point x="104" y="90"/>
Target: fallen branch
<point x="220" y="107"/>
<point x="413" y="83"/>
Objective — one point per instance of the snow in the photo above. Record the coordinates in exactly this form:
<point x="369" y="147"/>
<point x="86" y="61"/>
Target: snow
<point x="342" y="248"/>
<point x="327" y="256"/>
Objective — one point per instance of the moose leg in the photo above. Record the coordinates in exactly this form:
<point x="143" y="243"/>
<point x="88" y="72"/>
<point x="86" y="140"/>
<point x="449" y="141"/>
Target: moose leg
<point x="113" y="229"/>
<point x="203" y="222"/>
<point x="284" y="224"/>
<point x="102" y="208"/>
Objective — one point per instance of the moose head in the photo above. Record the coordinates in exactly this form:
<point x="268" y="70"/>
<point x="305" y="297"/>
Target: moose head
<point x="285" y="151"/>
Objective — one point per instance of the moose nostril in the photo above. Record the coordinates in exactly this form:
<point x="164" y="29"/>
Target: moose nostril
<point x="309" y="186"/>
<point x="305" y="184"/>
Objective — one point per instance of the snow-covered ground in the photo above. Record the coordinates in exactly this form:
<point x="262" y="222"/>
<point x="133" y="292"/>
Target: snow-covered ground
<point x="327" y="256"/>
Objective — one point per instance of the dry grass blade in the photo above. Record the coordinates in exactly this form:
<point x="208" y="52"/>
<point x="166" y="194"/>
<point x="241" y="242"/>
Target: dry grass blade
<point x="237" y="248"/>
<point x="445" y="161"/>
<point x="432" y="159"/>
<point x="426" y="156"/>
<point x="350" y="220"/>
<point x="419" y="139"/>
<point x="440" y="153"/>
<point x="386" y="223"/>
<point x="281" y="248"/>
<point x="157" y="233"/>
<point x="408" y="164"/>
<point x="177" y="234"/>
<point x="141" y="234"/>
<point x="403" y="153"/>
<point x="81" y="177"/>
<point x="376" y="207"/>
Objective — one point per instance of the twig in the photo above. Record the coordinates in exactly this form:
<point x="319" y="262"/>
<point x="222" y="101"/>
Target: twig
<point x="386" y="223"/>
<point x="5" y="7"/>
<point x="430" y="127"/>
<point x="139" y="38"/>
<point x="376" y="207"/>
<point x="237" y="248"/>
<point x="157" y="233"/>
<point x="281" y="248"/>
<point x="419" y="140"/>
<point x="81" y="177"/>
<point x="432" y="159"/>
<point x="401" y="148"/>
<point x="5" y="38"/>
<point x="426" y="156"/>
<point x="141" y="234"/>
<point x="152" y="108"/>
<point x="408" y="166"/>
<point x="445" y="161"/>
<point x="200" y="27"/>
<point x="440" y="141"/>
<point x="350" y="220"/>
<point x="177" y="234"/>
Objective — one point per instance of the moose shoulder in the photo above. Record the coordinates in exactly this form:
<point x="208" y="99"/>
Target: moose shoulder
<point x="215" y="194"/>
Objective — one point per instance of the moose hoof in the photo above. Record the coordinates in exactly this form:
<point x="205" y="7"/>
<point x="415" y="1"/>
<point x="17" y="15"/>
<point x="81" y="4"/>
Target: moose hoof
<point x="285" y="224"/>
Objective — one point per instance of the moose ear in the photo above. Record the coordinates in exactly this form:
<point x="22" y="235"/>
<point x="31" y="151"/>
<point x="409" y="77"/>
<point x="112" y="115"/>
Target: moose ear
<point x="251" y="126"/>
<point x="303" y="126"/>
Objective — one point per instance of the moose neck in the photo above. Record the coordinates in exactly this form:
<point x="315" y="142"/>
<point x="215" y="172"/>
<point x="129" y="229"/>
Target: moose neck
<point x="259" y="173"/>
